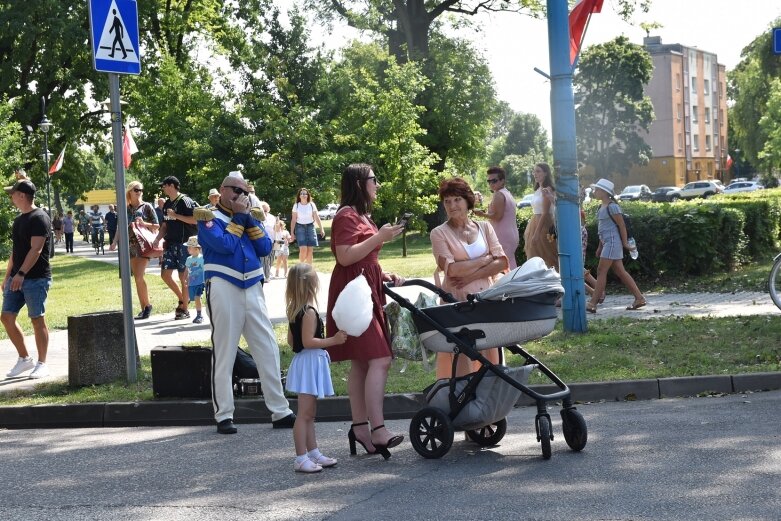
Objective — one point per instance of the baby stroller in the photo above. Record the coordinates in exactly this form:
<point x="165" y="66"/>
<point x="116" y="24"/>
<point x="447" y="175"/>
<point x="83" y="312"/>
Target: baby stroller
<point x="518" y="308"/>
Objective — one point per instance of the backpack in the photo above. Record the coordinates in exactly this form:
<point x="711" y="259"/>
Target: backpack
<point x="627" y="221"/>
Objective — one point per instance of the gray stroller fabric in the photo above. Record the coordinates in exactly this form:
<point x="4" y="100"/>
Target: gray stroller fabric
<point x="494" y="398"/>
<point x="533" y="277"/>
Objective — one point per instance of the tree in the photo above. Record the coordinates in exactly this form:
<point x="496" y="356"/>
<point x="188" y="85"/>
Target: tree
<point x="525" y="134"/>
<point x="613" y="109"/>
<point x="770" y="155"/>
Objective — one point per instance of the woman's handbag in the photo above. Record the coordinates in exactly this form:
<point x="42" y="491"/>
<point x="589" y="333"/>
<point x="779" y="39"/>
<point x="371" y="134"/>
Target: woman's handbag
<point x="145" y="239"/>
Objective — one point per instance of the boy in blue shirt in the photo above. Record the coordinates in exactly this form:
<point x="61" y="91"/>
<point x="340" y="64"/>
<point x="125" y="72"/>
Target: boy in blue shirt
<point x="194" y="264"/>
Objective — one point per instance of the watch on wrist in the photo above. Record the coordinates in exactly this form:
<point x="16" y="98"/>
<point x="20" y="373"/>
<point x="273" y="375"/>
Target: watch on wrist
<point x="22" y="273"/>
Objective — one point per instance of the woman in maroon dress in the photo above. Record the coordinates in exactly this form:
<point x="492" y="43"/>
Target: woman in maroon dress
<point x="356" y="242"/>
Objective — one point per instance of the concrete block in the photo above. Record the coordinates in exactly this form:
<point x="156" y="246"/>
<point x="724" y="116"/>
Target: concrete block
<point x="756" y="382"/>
<point x="52" y="416"/>
<point x="96" y="348"/>
<point x="158" y="413"/>
<point x="694" y="385"/>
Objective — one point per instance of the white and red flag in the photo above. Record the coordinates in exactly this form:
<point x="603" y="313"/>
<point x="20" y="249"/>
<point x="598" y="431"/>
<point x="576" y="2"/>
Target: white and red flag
<point x="58" y="163"/>
<point x="128" y="148"/>
<point x="578" y="22"/>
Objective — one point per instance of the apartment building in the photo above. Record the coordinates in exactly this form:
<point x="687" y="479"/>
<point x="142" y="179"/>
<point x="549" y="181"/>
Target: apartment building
<point x="689" y="133"/>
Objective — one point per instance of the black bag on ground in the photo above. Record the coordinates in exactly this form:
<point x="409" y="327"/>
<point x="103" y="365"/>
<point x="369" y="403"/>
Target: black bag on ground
<point x="244" y="366"/>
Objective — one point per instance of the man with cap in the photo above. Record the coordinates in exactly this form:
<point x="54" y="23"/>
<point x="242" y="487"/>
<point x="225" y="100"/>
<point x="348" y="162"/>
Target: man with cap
<point x="28" y="278"/>
<point x="233" y="240"/>
<point x="177" y="226"/>
<point x="214" y="196"/>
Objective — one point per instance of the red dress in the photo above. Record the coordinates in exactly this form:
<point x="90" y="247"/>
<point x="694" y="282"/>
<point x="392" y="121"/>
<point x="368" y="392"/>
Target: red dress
<point x="349" y="228"/>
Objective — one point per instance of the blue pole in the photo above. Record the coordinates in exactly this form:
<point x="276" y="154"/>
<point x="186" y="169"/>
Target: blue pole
<point x="565" y="166"/>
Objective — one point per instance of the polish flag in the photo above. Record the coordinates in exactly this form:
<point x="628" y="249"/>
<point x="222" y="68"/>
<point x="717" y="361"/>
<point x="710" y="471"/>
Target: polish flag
<point x="729" y="161"/>
<point x="58" y="163"/>
<point x="578" y="21"/>
<point x="128" y="148"/>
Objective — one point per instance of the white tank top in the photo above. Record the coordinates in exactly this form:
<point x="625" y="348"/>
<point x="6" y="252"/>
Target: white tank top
<point x="304" y="212"/>
<point x="477" y="248"/>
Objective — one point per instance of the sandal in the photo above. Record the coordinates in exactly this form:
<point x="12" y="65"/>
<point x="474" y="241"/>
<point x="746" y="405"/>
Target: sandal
<point x="637" y="304"/>
<point x="591" y="308"/>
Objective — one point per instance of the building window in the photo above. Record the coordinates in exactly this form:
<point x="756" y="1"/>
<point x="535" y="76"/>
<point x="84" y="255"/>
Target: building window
<point x="707" y="115"/>
<point x="677" y="81"/>
<point x="721" y="118"/>
<point x="694" y="114"/>
<point x="679" y="111"/>
<point x="707" y="143"/>
<point x="694" y="84"/>
<point x="680" y="141"/>
<point x="695" y="142"/>
<point x="706" y="87"/>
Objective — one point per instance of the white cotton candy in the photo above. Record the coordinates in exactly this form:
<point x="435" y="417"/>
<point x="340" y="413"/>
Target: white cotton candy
<point x="352" y="311"/>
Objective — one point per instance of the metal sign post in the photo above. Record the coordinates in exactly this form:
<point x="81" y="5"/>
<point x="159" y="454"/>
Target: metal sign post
<point x="114" y="36"/>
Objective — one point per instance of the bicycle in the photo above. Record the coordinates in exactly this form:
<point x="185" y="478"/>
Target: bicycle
<point x="774" y="281"/>
<point x="98" y="240"/>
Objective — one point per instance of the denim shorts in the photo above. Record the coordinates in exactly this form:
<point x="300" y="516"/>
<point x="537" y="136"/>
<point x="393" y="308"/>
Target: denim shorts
<point x="195" y="291"/>
<point x="305" y="234"/>
<point x="174" y="257"/>
<point x="33" y="294"/>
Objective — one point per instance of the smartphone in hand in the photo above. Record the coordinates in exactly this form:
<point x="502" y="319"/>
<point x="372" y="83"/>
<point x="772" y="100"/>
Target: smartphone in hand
<point x="404" y="219"/>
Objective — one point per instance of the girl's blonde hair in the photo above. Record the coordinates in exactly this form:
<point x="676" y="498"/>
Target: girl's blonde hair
<point x="132" y="186"/>
<point x="302" y="286"/>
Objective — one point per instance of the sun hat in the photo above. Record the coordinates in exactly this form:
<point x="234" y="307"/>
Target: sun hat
<point x="192" y="242"/>
<point x="23" y="185"/>
<point x="214" y="191"/>
<point x="604" y="184"/>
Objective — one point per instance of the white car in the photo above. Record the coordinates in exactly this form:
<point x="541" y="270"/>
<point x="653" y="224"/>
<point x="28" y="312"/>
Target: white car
<point x="743" y="186"/>
<point x="526" y="201"/>
<point x="328" y="212"/>
<point x="703" y="189"/>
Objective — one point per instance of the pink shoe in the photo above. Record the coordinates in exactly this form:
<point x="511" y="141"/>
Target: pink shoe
<point x="324" y="461"/>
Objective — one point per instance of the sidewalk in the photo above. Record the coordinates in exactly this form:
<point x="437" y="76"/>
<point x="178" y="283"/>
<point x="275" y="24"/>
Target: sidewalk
<point x="164" y="330"/>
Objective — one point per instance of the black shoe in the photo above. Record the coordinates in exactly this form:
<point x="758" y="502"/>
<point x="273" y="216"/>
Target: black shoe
<point x="227" y="427"/>
<point x="285" y="423"/>
<point x="145" y="313"/>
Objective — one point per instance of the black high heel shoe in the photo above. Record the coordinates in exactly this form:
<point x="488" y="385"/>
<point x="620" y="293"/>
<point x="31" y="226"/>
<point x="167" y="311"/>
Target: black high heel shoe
<point x="353" y="439"/>
<point x="392" y="442"/>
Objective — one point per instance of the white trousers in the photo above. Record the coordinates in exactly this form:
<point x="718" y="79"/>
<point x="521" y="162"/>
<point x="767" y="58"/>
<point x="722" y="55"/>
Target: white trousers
<point x="234" y="312"/>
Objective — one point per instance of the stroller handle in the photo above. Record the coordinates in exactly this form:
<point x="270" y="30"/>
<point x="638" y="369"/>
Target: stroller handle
<point x="444" y="295"/>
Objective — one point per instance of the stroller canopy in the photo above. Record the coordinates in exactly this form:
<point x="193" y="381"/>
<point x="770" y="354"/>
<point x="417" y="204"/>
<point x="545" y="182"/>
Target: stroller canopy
<point x="531" y="278"/>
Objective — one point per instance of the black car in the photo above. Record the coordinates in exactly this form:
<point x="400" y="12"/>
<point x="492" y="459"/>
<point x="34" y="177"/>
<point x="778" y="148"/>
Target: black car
<point x="664" y="194"/>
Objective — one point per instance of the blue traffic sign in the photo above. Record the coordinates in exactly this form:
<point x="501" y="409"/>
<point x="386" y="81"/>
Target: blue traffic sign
<point x="777" y="40"/>
<point x="114" y="34"/>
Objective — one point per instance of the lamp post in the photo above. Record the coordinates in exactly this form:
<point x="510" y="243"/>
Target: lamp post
<point x="737" y="167"/>
<point x="45" y="125"/>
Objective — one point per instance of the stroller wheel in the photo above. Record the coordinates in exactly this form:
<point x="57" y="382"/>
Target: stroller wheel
<point x="431" y="432"/>
<point x="489" y="435"/>
<point x="574" y="427"/>
<point x="544" y="435"/>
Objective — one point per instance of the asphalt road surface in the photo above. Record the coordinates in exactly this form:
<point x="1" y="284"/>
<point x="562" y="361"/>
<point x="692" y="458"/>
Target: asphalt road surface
<point x="711" y="458"/>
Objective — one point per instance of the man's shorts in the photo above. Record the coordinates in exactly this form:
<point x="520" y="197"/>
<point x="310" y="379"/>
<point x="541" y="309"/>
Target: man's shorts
<point x="33" y="294"/>
<point x="174" y="257"/>
<point x="195" y="291"/>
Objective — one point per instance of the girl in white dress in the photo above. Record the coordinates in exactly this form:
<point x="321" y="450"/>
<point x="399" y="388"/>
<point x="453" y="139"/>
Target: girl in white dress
<point x="309" y="374"/>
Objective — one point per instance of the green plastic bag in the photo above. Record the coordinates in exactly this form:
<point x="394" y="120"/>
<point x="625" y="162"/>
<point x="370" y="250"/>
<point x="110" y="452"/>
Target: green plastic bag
<point x="405" y="341"/>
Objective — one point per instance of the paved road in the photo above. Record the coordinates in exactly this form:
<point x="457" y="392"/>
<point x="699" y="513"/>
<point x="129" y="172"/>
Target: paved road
<point x="161" y="329"/>
<point x="672" y="459"/>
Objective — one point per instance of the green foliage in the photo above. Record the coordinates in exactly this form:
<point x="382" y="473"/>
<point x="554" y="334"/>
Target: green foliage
<point x="613" y="108"/>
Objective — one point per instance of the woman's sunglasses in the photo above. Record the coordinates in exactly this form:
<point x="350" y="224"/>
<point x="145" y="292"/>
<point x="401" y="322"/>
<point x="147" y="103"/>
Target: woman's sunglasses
<point x="138" y="190"/>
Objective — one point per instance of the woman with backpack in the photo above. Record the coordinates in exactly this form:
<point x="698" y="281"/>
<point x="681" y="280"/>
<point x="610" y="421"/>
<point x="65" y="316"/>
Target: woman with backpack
<point x="612" y="241"/>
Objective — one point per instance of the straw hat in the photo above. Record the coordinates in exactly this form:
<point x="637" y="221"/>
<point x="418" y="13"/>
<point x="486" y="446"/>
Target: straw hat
<point x="192" y="242"/>
<point x="604" y="184"/>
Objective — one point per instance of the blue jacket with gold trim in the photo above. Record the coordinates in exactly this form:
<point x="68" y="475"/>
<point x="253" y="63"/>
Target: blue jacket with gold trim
<point x="232" y="244"/>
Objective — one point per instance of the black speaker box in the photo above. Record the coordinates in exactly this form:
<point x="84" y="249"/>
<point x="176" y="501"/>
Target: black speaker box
<point x="181" y="372"/>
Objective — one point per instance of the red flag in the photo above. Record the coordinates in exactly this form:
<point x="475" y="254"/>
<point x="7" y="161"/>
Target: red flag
<point x="58" y="163"/>
<point x="729" y="161"/>
<point x="128" y="148"/>
<point x="578" y="20"/>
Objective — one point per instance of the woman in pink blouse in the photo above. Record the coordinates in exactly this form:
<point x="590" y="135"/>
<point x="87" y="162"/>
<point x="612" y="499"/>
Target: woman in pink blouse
<point x="469" y="255"/>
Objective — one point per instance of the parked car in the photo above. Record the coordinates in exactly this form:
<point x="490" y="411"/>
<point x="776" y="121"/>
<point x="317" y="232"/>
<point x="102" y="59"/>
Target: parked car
<point x="328" y="212"/>
<point x="526" y="201"/>
<point x="635" y="193"/>
<point x="743" y="186"/>
<point x="665" y="194"/>
<point x="703" y="189"/>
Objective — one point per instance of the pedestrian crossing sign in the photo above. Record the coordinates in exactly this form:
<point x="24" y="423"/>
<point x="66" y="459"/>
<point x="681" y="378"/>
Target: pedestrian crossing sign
<point x="114" y="34"/>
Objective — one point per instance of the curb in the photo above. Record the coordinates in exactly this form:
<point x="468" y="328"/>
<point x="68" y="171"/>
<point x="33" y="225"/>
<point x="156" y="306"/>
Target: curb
<point x="397" y="406"/>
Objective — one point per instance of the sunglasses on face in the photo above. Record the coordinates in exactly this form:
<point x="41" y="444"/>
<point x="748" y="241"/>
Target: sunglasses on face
<point x="237" y="190"/>
<point x="493" y="181"/>
<point x="138" y="190"/>
<point x="304" y="193"/>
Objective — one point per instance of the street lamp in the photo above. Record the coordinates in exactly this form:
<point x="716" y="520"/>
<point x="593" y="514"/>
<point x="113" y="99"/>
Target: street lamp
<point x="45" y="125"/>
<point x="737" y="167"/>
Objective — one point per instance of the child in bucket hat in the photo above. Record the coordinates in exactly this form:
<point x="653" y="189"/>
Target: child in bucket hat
<point x="195" y="282"/>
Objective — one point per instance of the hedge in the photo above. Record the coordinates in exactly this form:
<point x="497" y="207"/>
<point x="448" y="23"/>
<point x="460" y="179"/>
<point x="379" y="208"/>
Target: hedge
<point x="691" y="237"/>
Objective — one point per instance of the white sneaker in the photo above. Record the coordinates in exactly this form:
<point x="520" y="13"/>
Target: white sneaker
<point x="41" y="370"/>
<point x="22" y="365"/>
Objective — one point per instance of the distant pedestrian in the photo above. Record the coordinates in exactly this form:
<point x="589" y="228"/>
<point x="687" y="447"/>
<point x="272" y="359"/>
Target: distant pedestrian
<point x="538" y="242"/>
<point x="57" y="225"/>
<point x="302" y="226"/>
<point x="612" y="241"/>
<point x="178" y="225"/>
<point x="309" y="374"/>
<point x="501" y="214"/>
<point x="195" y="275"/>
<point x="28" y="278"/>
<point x="214" y="197"/>
<point x="159" y="209"/>
<point x="233" y="243"/>
<point x="112" y="219"/>
<point x="269" y="224"/>
<point x="84" y="225"/>
<point x="281" y="247"/>
<point x="68" y="226"/>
